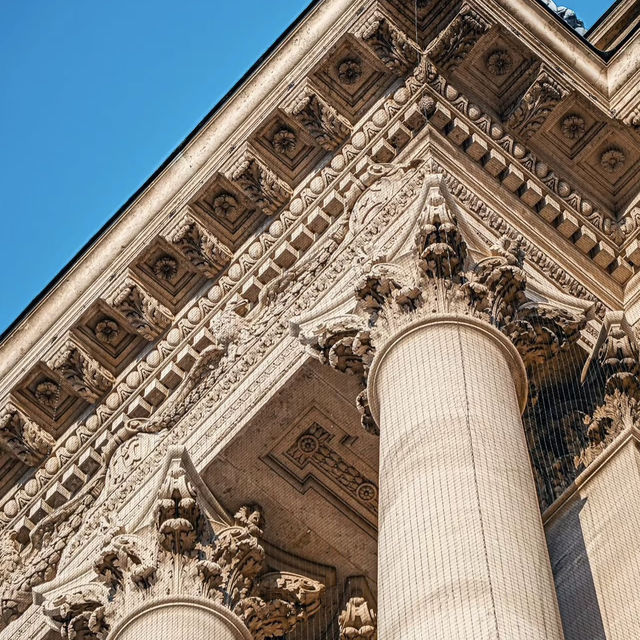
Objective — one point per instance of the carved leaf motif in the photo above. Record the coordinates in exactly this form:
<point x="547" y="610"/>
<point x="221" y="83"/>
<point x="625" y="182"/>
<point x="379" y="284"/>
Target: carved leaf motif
<point x="261" y="185"/>
<point x="390" y="45"/>
<point x="145" y="314"/>
<point x="23" y="438"/>
<point x="457" y="40"/>
<point x="528" y="115"/>
<point x="85" y="376"/>
<point x="357" y="620"/>
<point x="321" y="121"/>
<point x="204" y="252"/>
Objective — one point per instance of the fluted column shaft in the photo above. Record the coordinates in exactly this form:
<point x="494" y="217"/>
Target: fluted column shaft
<point x="462" y="552"/>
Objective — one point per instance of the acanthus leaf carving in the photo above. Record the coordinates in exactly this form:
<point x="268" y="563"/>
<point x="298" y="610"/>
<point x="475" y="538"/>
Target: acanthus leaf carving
<point x="320" y="120"/>
<point x="533" y="108"/>
<point x="358" y="620"/>
<point x="204" y="251"/>
<point x="390" y="45"/>
<point x="617" y="353"/>
<point x="183" y="545"/>
<point x="456" y="41"/>
<point x="22" y="437"/>
<point x="261" y="186"/>
<point x="86" y="377"/>
<point x="428" y="271"/>
<point x="146" y="315"/>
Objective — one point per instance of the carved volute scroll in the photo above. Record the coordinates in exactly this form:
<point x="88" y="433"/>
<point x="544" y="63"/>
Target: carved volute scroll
<point x="429" y="271"/>
<point x="183" y="545"/>
<point x="22" y="437"/>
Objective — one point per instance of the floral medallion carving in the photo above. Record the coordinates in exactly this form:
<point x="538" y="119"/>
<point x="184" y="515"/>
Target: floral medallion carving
<point x="349" y="70"/>
<point x="284" y="141"/>
<point x="612" y="159"/>
<point x="572" y="126"/>
<point x="499" y="62"/>
<point x="166" y="267"/>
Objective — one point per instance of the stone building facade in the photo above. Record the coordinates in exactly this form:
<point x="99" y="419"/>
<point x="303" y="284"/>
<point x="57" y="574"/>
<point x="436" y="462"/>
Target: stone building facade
<point x="360" y="360"/>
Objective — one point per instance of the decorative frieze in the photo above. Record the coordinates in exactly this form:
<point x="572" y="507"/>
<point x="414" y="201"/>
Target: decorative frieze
<point x="144" y="314"/>
<point x="300" y="240"/>
<point x="22" y="437"/>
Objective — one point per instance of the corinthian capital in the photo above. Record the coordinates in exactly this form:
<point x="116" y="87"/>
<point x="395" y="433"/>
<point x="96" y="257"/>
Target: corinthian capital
<point x="430" y="271"/>
<point x="183" y="547"/>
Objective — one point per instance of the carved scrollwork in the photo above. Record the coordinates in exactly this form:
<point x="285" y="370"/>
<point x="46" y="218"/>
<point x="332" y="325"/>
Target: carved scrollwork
<point x="83" y="374"/>
<point x="538" y="101"/>
<point x="357" y="620"/>
<point x="617" y="353"/>
<point x="320" y="120"/>
<point x="261" y="186"/>
<point x="390" y="45"/>
<point x="204" y="251"/>
<point x="430" y="271"/>
<point x="145" y="314"/>
<point x="457" y="40"/>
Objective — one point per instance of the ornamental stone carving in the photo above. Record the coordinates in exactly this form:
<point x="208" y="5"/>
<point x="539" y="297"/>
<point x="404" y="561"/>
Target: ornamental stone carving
<point x="617" y="353"/>
<point x="203" y="251"/>
<point x="429" y="271"/>
<point x="457" y="40"/>
<point x="390" y="45"/>
<point x="261" y="186"/>
<point x="145" y="314"/>
<point x="183" y="546"/>
<point x="320" y="120"/>
<point x="357" y="620"/>
<point x="533" y="108"/>
<point x="84" y="375"/>
<point x="22" y="437"/>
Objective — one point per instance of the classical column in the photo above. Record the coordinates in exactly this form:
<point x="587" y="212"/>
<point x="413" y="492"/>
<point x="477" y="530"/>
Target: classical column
<point x="462" y="553"/>
<point x="438" y="340"/>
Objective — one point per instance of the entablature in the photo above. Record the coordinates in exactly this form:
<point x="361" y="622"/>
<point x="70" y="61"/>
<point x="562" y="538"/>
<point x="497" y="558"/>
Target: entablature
<point x="255" y="218"/>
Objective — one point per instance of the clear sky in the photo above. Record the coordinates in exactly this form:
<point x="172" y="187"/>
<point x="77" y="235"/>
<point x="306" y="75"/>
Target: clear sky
<point x="95" y="95"/>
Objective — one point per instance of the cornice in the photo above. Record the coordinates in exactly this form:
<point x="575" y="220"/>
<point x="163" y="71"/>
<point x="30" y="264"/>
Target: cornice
<point x="231" y="333"/>
<point x="189" y="334"/>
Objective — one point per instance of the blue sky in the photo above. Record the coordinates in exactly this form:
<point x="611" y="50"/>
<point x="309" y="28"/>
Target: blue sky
<point x="95" y="96"/>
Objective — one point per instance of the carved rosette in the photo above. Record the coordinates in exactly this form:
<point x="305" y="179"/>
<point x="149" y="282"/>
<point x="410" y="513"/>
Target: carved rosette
<point x="432" y="273"/>
<point x="182" y="550"/>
